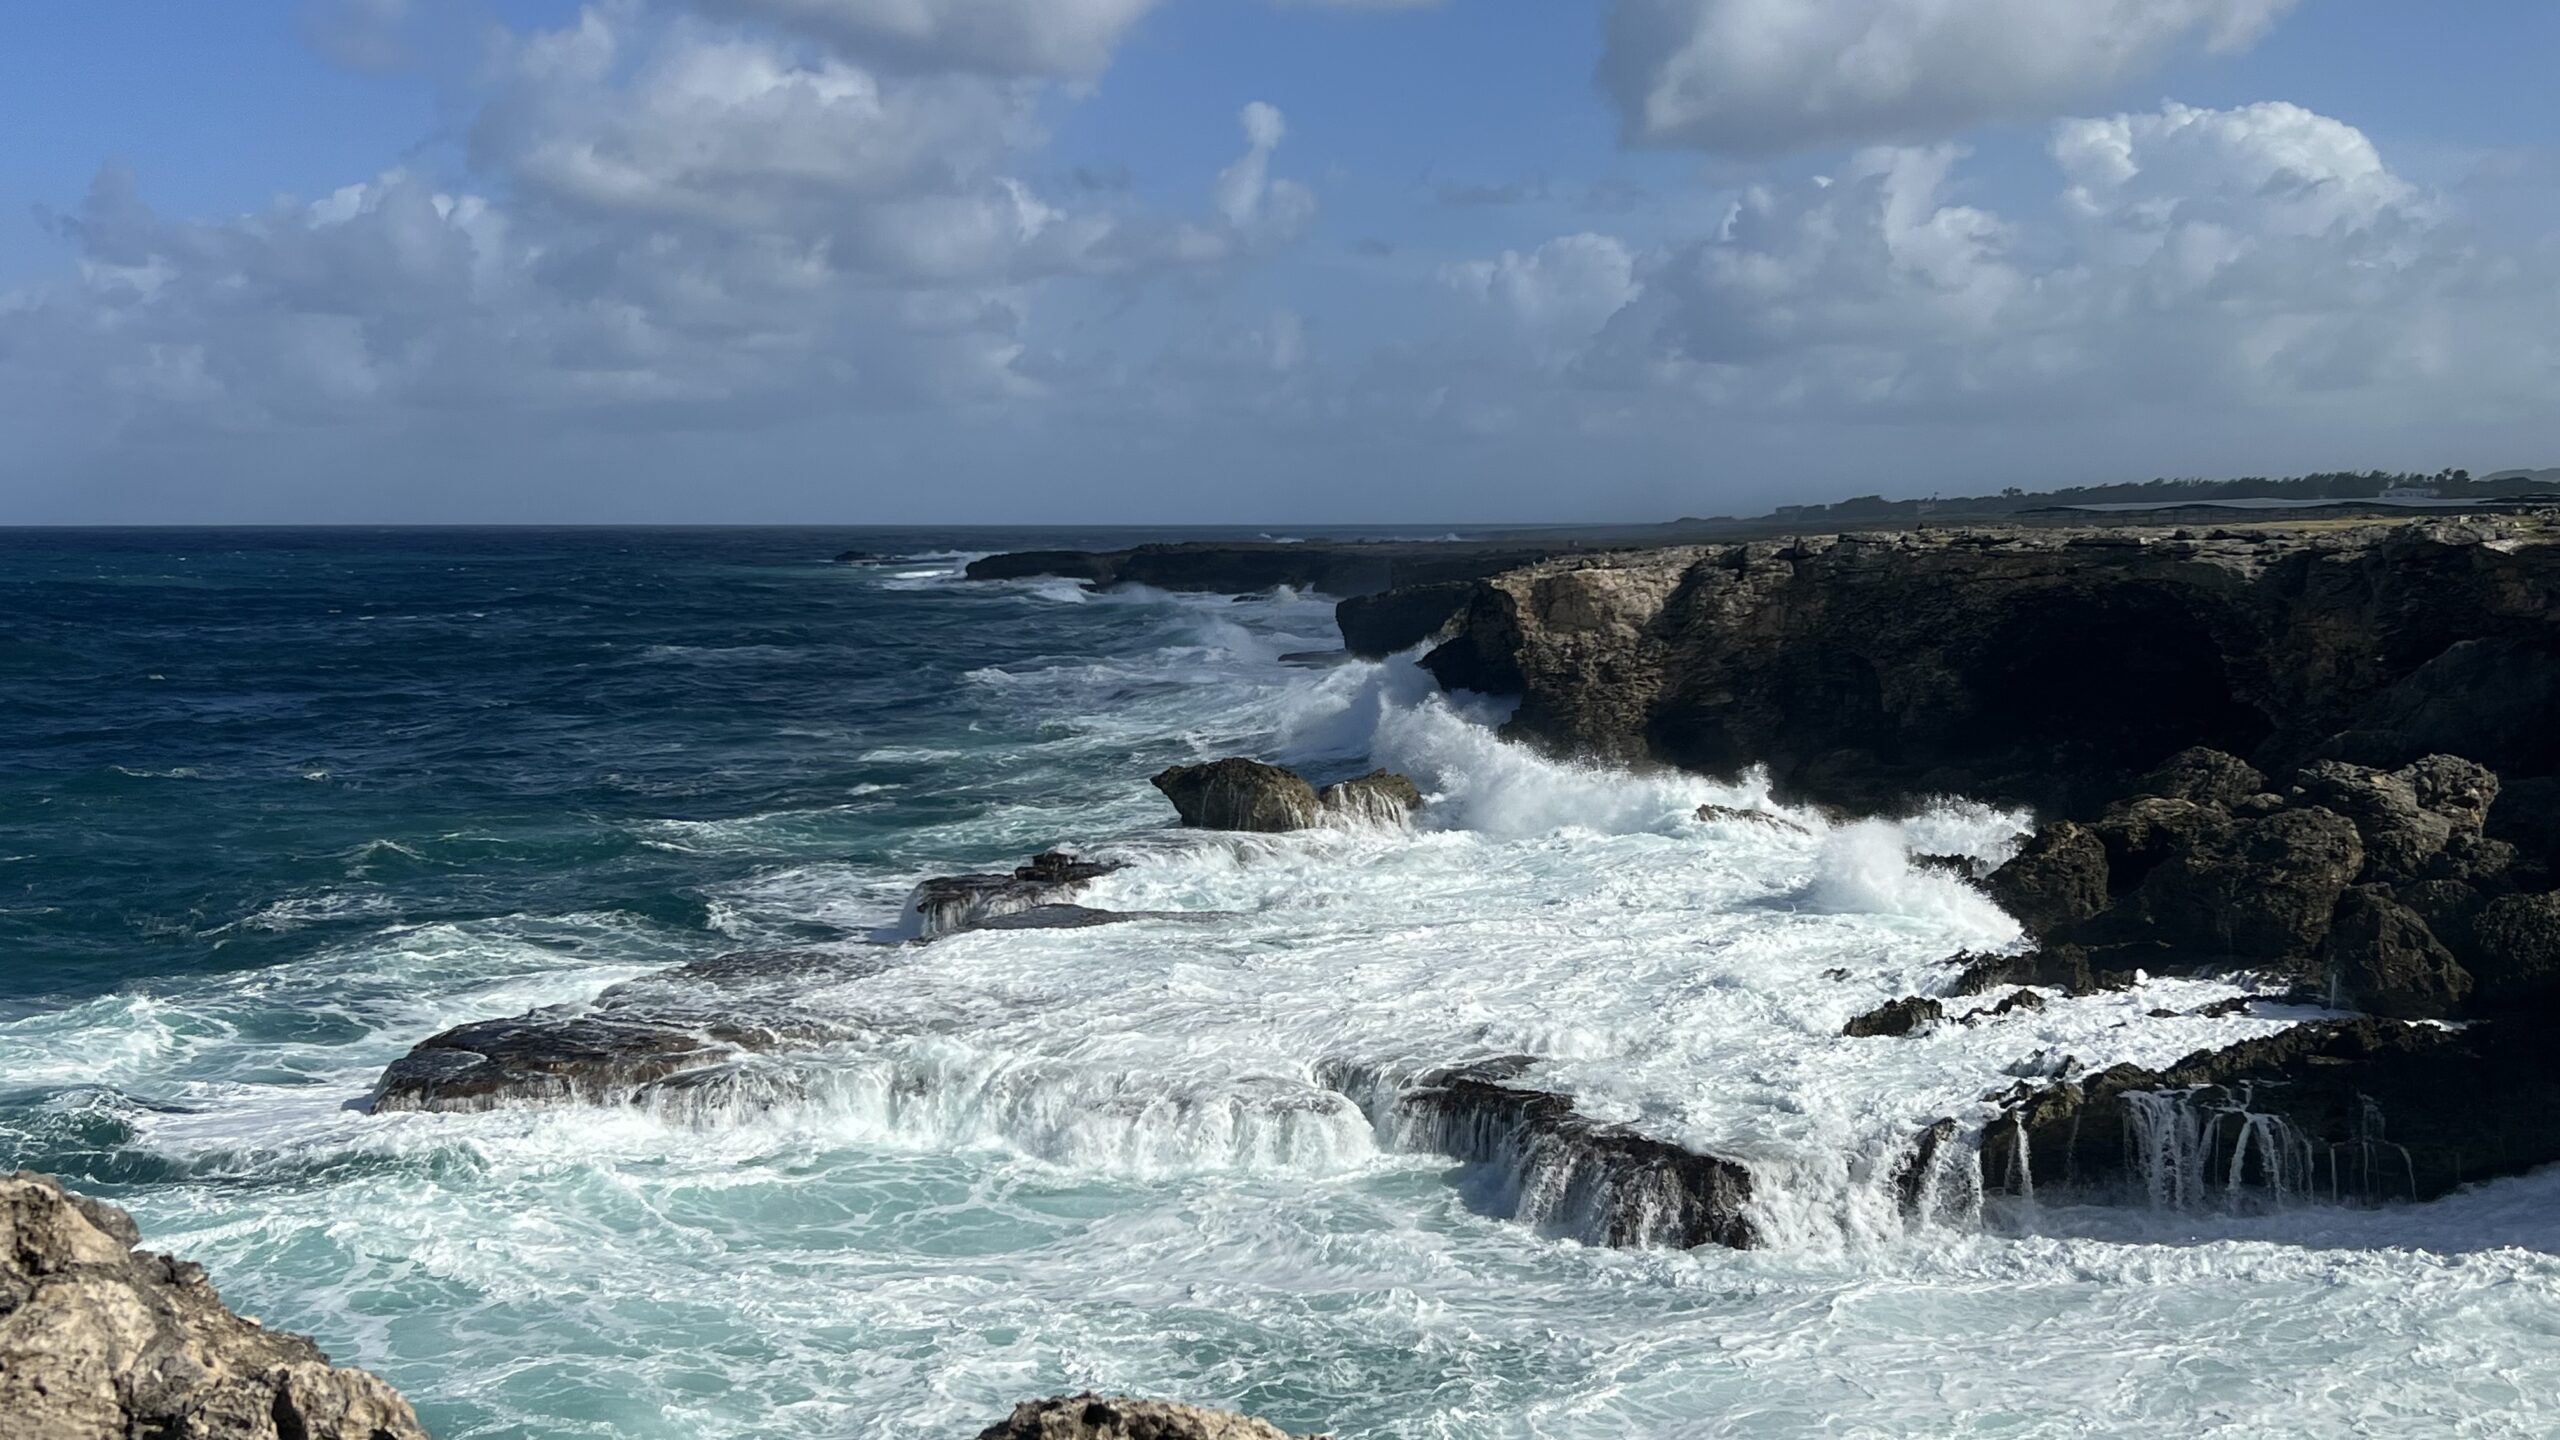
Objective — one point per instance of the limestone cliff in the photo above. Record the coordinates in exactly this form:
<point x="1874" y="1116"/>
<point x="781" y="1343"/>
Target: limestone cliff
<point x="100" y="1341"/>
<point x="2044" y="666"/>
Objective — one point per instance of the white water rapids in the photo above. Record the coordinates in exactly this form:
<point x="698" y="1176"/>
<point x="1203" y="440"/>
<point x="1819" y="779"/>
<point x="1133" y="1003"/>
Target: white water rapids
<point x="1107" y="1157"/>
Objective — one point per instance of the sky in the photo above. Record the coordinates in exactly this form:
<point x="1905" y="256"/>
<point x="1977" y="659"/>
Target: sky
<point x="1255" y="261"/>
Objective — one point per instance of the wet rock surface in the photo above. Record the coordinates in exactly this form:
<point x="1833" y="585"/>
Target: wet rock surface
<point x="1120" y="1417"/>
<point x="1558" y="1169"/>
<point x="2362" y="1110"/>
<point x="1896" y="1017"/>
<point x="676" y="1030"/>
<point x="1248" y="795"/>
<point x="102" y="1341"/>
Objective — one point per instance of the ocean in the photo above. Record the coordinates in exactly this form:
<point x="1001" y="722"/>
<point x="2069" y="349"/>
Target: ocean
<point x="275" y="806"/>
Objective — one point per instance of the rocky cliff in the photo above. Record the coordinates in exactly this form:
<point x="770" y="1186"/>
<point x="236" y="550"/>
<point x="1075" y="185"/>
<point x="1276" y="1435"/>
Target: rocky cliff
<point x="2315" y="755"/>
<point x="2044" y="666"/>
<point x="101" y="1341"/>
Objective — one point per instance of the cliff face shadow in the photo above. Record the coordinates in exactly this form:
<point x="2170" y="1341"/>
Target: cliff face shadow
<point x="2120" y="678"/>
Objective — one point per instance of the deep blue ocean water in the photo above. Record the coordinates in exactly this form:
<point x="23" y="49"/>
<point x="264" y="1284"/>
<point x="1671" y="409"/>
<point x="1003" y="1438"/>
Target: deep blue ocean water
<point x="274" y="806"/>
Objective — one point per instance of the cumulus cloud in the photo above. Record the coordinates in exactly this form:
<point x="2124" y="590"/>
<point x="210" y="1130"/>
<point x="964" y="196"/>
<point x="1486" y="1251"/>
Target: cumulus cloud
<point x="2261" y="256"/>
<point x="1558" y="294"/>
<point x="1762" y="77"/>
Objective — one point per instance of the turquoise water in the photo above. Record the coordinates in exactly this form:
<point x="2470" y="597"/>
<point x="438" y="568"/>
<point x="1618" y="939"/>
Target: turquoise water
<point x="273" y="807"/>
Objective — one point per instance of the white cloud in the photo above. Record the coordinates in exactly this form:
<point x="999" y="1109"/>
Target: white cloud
<point x="1759" y="77"/>
<point x="1559" y="294"/>
<point x="2232" y="261"/>
<point x="1005" y="37"/>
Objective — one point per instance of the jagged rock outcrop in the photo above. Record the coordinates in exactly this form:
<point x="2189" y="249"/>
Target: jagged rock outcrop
<point x="2043" y="666"/>
<point x="1561" y="1170"/>
<point x="101" y="1341"/>
<point x="2358" y="1110"/>
<point x="1241" y="794"/>
<point x="1120" y="1417"/>
<point x="1896" y="1017"/>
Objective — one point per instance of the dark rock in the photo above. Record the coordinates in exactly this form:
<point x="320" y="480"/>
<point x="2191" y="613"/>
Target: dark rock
<point x="542" y="1057"/>
<point x="1098" y="567"/>
<point x="100" y="1341"/>
<point x="2013" y="666"/>
<point x="1380" y="797"/>
<point x="2222" y="1009"/>
<point x="951" y="903"/>
<point x="1239" y="794"/>
<point x="2382" y="959"/>
<point x="2373" y="1110"/>
<point x="1925" y="1172"/>
<point x="1120" y="1417"/>
<point x="2061" y="967"/>
<point x="2406" y="816"/>
<point x="1317" y="659"/>
<point x="1727" y="814"/>
<point x="1376" y="626"/>
<point x="2205" y="777"/>
<point x="1559" y="1170"/>
<point x="1896" y="1017"/>
<point x="858" y="557"/>
<point x="2058" y="879"/>
<point x="1961" y="867"/>
<point x="2515" y="952"/>
<point x="2010" y="1004"/>
<point x="2527" y="816"/>
<point x="2226" y="893"/>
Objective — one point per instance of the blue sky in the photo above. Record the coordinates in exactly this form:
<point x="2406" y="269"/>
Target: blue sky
<point x="1245" y="260"/>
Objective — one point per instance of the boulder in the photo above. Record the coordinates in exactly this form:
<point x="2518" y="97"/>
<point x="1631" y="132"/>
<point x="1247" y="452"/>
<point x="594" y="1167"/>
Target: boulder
<point x="2228" y="892"/>
<point x="2061" y="967"/>
<point x="1240" y="794"/>
<point x="2383" y="960"/>
<point x="1380" y="797"/>
<point x="1119" y="1417"/>
<point x="1376" y="626"/>
<point x="1896" y="1017"/>
<point x="2515" y="951"/>
<point x="2406" y="816"/>
<point x="2058" y="879"/>
<point x="100" y="1341"/>
<point x="2204" y="777"/>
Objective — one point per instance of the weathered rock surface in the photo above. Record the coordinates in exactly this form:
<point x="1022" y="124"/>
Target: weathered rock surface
<point x="1896" y="1017"/>
<point x="100" y="1341"/>
<point x="1119" y="1417"/>
<point x="2363" y="1110"/>
<point x="2045" y="666"/>
<point x="1241" y="794"/>
<point x="1561" y="1170"/>
<point x="952" y="903"/>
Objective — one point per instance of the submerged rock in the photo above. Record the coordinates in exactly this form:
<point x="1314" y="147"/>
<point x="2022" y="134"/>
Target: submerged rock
<point x="952" y="903"/>
<point x="100" y="1341"/>
<point x="1715" y="814"/>
<point x="1120" y="1417"/>
<point x="1560" y="1170"/>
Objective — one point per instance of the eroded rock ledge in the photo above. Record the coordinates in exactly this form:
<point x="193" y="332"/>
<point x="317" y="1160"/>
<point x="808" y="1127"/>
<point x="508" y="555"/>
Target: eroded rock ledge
<point x="101" y="1341"/>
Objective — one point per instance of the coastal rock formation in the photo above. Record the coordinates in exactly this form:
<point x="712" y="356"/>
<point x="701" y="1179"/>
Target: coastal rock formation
<point x="952" y="903"/>
<point x="1241" y="794"/>
<point x="1896" y="1017"/>
<point x="673" y="1031"/>
<point x="1119" y="1417"/>
<point x="1558" y="1169"/>
<point x="2041" y="666"/>
<point x="2369" y="1110"/>
<point x="1344" y="568"/>
<point x="636" y="1037"/>
<point x="100" y="1341"/>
